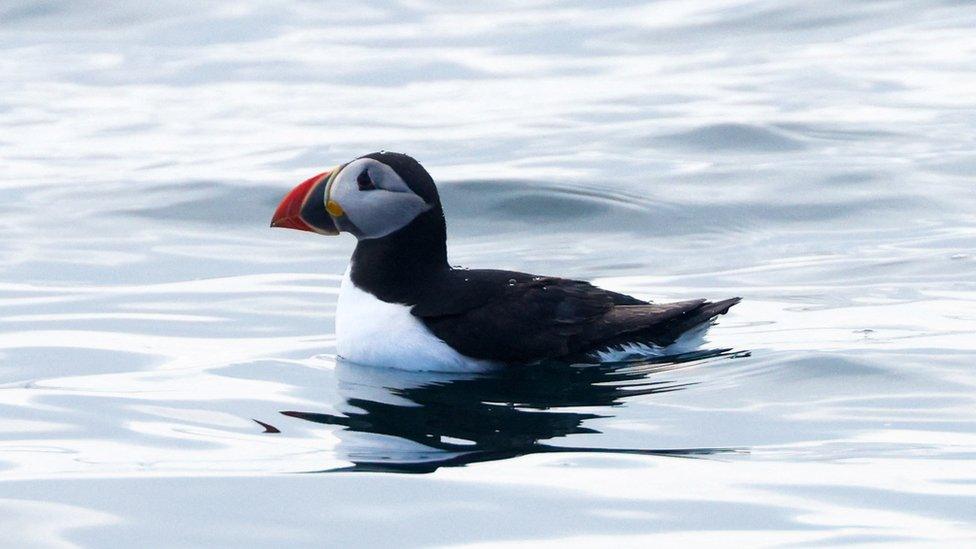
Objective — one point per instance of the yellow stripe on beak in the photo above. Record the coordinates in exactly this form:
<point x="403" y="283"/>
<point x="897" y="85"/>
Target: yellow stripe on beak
<point x="334" y="209"/>
<point x="331" y="206"/>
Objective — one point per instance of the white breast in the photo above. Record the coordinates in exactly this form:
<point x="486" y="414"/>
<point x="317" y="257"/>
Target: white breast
<point x="374" y="332"/>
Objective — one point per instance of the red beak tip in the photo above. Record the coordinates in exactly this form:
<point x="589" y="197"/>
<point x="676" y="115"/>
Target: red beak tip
<point x="288" y="213"/>
<point x="293" y="222"/>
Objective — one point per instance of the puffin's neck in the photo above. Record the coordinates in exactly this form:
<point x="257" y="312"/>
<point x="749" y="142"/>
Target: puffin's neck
<point x="397" y="267"/>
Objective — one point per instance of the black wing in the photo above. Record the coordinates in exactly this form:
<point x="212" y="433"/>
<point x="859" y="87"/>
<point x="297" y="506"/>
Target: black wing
<point x="517" y="317"/>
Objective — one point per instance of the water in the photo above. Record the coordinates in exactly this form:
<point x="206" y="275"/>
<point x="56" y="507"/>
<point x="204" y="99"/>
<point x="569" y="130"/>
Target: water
<point x="815" y="158"/>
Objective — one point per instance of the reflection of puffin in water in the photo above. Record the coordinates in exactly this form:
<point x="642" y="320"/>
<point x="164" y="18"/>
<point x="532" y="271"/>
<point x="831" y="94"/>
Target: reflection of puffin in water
<point x="417" y="422"/>
<point x="403" y="305"/>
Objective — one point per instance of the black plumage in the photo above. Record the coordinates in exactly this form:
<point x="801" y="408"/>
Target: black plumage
<point x="517" y="317"/>
<point x="504" y="315"/>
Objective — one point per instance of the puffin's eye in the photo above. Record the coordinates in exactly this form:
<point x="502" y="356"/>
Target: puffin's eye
<point x="364" y="182"/>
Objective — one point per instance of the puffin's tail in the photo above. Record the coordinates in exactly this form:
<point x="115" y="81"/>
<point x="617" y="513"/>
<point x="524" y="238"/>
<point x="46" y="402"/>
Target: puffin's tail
<point x="649" y="330"/>
<point x="706" y="312"/>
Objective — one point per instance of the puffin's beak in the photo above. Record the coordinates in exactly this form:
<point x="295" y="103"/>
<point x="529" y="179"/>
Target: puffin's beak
<point x="303" y="208"/>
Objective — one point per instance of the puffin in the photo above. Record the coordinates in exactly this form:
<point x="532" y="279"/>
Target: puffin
<point x="401" y="304"/>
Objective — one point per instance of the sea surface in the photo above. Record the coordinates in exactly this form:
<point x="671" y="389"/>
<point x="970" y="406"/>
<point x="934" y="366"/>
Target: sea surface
<point x="167" y="361"/>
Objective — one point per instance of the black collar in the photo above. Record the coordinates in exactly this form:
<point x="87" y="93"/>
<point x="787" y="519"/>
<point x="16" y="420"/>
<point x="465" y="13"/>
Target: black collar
<point x="401" y="266"/>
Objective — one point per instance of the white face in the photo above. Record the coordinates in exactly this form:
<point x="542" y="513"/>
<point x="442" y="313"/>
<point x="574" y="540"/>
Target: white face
<point x="374" y="200"/>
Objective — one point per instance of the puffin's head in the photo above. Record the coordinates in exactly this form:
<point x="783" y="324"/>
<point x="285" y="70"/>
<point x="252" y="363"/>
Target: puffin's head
<point x="370" y="197"/>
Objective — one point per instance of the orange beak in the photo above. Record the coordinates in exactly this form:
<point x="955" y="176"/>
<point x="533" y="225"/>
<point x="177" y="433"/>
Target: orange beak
<point x="303" y="208"/>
